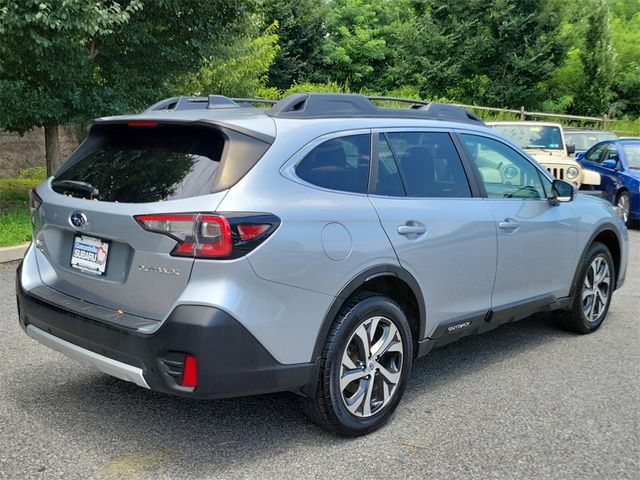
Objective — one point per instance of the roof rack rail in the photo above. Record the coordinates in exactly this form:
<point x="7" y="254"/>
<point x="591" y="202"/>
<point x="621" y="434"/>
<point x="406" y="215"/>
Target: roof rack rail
<point x="341" y="105"/>
<point x="411" y="101"/>
<point x="194" y="103"/>
<point x="259" y="101"/>
<point x="206" y="103"/>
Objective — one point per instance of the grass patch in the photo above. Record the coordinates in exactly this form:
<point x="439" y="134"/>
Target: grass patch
<point x="15" y="226"/>
<point x="15" y="191"/>
<point x="15" y="221"/>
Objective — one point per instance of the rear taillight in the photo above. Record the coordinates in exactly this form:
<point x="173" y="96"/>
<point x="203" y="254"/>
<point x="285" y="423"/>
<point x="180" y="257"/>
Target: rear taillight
<point x="34" y="204"/>
<point x="205" y="235"/>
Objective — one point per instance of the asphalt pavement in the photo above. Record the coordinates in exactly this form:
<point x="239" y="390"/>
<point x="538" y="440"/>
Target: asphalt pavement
<point x="523" y="401"/>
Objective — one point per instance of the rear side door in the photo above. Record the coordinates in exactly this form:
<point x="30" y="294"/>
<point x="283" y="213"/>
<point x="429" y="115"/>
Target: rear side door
<point x="536" y="240"/>
<point x="443" y="234"/>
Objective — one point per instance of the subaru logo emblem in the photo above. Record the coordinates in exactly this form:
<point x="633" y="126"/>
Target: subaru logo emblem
<point x="78" y="219"/>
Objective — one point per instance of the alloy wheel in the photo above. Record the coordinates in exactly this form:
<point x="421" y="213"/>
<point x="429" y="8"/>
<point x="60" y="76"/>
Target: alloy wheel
<point x="596" y="289"/>
<point x="624" y="205"/>
<point x="371" y="367"/>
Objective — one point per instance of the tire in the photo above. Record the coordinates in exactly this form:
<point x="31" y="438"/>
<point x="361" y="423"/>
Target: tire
<point x="365" y="403"/>
<point x="623" y="201"/>
<point x="591" y="302"/>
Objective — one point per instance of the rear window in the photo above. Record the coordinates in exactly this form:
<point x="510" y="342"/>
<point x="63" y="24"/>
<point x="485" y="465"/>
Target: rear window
<point x="586" y="140"/>
<point x="119" y="163"/>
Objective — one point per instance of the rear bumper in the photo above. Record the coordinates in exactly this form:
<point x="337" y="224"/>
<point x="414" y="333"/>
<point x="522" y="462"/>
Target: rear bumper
<point x="231" y="362"/>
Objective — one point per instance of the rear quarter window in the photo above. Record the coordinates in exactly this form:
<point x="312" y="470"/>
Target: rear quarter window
<point x="340" y="164"/>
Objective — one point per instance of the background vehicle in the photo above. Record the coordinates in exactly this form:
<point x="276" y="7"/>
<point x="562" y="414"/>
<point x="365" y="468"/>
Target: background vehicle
<point x="618" y="162"/>
<point x="584" y="138"/>
<point x="546" y="143"/>
<point x="320" y="246"/>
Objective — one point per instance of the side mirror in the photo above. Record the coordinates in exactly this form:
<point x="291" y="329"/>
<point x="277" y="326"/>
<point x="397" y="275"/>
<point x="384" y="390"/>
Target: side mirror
<point x="571" y="149"/>
<point x="610" y="164"/>
<point x="562" y="191"/>
<point x="580" y="156"/>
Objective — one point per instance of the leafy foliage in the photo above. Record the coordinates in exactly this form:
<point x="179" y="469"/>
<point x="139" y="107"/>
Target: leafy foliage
<point x="625" y="38"/>
<point x="355" y="48"/>
<point x="71" y="60"/>
<point x="302" y="32"/>
<point x="597" y="60"/>
<point x="487" y="52"/>
<point x="238" y="70"/>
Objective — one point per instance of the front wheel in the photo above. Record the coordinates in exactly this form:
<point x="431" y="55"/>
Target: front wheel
<point x="365" y="365"/>
<point x="593" y="289"/>
<point x="623" y="202"/>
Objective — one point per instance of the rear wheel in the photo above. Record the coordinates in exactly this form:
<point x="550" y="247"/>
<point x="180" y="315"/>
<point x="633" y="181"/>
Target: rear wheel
<point x="593" y="289"/>
<point x="623" y="201"/>
<point x="365" y="365"/>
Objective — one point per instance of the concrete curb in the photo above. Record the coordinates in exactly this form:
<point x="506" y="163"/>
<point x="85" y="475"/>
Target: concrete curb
<point x="10" y="254"/>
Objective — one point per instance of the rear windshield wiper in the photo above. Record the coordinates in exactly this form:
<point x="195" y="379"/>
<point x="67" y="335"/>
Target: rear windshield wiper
<point x="76" y="186"/>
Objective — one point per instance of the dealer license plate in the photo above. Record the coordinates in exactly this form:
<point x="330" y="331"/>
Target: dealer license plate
<point x="89" y="254"/>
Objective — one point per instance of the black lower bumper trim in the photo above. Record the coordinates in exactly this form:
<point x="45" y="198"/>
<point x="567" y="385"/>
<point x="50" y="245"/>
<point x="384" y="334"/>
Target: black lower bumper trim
<point x="231" y="361"/>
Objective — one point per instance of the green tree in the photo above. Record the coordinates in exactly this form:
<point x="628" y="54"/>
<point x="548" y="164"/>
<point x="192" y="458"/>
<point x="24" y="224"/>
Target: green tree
<point x="355" y="49"/>
<point x="493" y="52"/>
<point x="302" y="29"/>
<point x="597" y="58"/>
<point x="239" y="69"/>
<point x="68" y="61"/>
<point x="625" y="37"/>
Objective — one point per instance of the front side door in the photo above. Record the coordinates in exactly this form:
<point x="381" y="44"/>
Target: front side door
<point x="536" y="240"/>
<point x="443" y="235"/>
<point x="611" y="182"/>
<point x="593" y="161"/>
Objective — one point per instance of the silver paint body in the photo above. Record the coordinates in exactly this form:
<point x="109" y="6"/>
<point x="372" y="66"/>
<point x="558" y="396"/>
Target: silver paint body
<point x="281" y="292"/>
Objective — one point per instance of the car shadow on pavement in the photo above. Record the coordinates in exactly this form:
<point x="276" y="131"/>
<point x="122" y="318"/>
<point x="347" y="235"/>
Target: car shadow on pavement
<point x="93" y="409"/>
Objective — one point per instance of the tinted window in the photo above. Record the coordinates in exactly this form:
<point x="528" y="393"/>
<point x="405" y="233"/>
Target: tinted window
<point x="145" y="164"/>
<point x="338" y="164"/>
<point x="586" y="140"/>
<point x="611" y="153"/>
<point x="533" y="136"/>
<point x="388" y="180"/>
<point x="594" y="154"/>
<point x="429" y="164"/>
<point x="505" y="173"/>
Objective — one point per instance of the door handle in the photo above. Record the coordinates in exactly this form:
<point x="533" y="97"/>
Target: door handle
<point x="412" y="228"/>
<point x="508" y="224"/>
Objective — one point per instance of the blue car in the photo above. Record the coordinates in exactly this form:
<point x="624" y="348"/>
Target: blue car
<point x="618" y="163"/>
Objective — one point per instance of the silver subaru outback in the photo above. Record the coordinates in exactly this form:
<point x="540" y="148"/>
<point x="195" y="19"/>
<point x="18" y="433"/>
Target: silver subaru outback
<point x="209" y="248"/>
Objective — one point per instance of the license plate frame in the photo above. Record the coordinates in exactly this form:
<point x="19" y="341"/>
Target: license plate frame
<point x="90" y="254"/>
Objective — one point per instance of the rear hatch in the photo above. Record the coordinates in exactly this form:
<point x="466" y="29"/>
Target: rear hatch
<point x="90" y="245"/>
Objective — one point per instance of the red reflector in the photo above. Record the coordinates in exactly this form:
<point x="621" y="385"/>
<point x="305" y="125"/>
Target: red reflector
<point x="142" y="123"/>
<point x="190" y="372"/>
<point x="249" y="232"/>
<point x="184" y="249"/>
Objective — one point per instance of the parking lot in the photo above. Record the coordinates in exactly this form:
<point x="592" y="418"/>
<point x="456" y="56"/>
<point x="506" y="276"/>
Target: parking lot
<point x="523" y="401"/>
